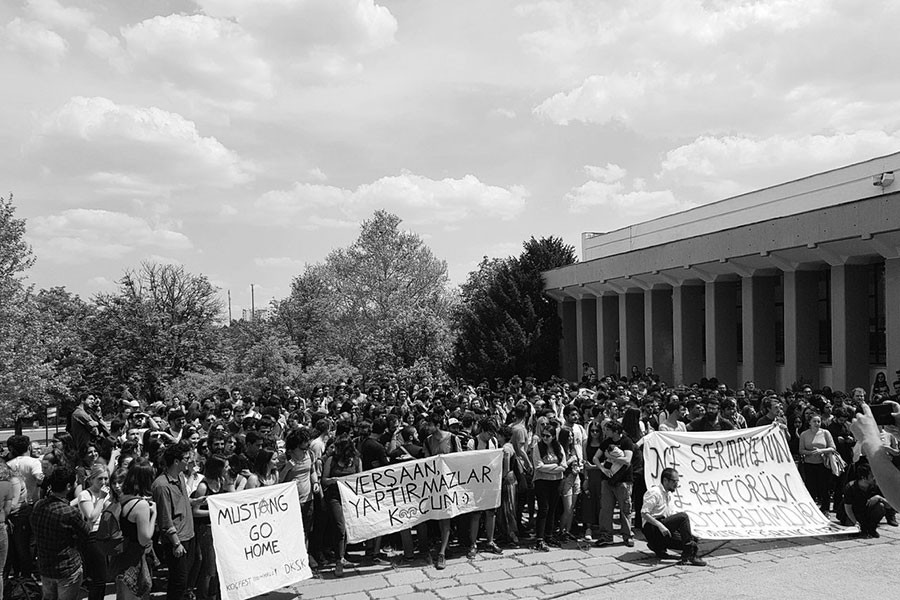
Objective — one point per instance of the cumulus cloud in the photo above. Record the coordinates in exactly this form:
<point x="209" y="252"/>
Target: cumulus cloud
<point x="138" y="150"/>
<point x="687" y="68"/>
<point x="325" y="37"/>
<point x="52" y="12"/>
<point x="197" y="53"/>
<point x="78" y="236"/>
<point x="416" y="198"/>
<point x="733" y="164"/>
<point x="35" y="40"/>
<point x="607" y="196"/>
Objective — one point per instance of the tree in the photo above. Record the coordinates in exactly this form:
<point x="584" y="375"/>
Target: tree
<point x="22" y="369"/>
<point x="505" y="324"/>
<point x="381" y="304"/>
<point x="159" y="325"/>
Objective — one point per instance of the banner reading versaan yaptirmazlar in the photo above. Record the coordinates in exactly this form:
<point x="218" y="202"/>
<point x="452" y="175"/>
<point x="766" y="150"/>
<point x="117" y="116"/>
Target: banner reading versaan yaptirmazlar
<point x="259" y="542"/>
<point x="737" y="484"/>
<point x="396" y="497"/>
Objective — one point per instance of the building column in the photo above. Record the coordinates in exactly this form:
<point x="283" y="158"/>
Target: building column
<point x="721" y="341"/>
<point x="586" y="328"/>
<point x="849" y="327"/>
<point x="658" y="332"/>
<point x="687" y="334"/>
<point x="801" y="327"/>
<point x="892" y="315"/>
<point x="758" y="310"/>
<point x="607" y="335"/>
<point x="631" y="331"/>
<point x="568" y="353"/>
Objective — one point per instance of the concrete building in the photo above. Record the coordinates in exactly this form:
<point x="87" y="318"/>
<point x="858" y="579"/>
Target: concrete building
<point x="797" y="280"/>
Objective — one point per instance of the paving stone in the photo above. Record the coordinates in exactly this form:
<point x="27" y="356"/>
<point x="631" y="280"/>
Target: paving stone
<point x="452" y="570"/>
<point x="559" y="588"/>
<point x="419" y="596"/>
<point x="406" y="576"/>
<point x="494" y="564"/>
<point x="353" y="596"/>
<point x="605" y="569"/>
<point x="390" y="592"/>
<point x="511" y="584"/>
<point x="435" y="584"/>
<point x="500" y="596"/>
<point x="482" y="577"/>
<point x="345" y="585"/>
<point x="554" y="556"/>
<point x="460" y="591"/>
<point x="570" y="575"/>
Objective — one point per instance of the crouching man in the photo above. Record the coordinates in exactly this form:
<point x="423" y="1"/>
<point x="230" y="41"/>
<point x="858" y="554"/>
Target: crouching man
<point x="663" y="527"/>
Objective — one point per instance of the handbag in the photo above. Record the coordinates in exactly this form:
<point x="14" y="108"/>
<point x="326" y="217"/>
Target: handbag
<point x="834" y="462"/>
<point x="137" y="577"/>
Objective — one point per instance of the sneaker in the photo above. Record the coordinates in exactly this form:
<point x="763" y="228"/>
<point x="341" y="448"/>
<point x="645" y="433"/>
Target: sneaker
<point x="629" y="542"/>
<point x="441" y="563"/>
<point x="587" y="536"/>
<point x="339" y="568"/>
<point x="541" y="546"/>
<point x="892" y="521"/>
<point x="472" y="553"/>
<point x="604" y="541"/>
<point x="664" y="555"/>
<point x="493" y="548"/>
<point x="694" y="561"/>
<point x="873" y="533"/>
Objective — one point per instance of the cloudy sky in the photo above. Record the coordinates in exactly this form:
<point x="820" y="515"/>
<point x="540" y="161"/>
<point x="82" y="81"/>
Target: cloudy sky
<point x="245" y="138"/>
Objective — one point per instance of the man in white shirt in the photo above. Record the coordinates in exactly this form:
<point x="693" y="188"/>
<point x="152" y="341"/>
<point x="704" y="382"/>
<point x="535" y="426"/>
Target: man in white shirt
<point x="663" y="527"/>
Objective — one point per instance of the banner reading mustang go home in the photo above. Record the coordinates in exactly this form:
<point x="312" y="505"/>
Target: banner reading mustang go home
<point x="259" y="541"/>
<point x="397" y="497"/>
<point x="736" y="484"/>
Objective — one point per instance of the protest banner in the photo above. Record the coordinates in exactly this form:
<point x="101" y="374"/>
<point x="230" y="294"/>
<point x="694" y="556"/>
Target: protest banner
<point x="259" y="540"/>
<point x="739" y="484"/>
<point x="397" y="497"/>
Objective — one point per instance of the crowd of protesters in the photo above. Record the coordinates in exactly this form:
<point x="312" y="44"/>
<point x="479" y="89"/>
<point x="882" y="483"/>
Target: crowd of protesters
<point x="572" y="462"/>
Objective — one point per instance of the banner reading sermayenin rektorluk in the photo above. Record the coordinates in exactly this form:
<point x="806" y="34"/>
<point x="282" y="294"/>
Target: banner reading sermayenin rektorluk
<point x="737" y="484"/>
<point x="397" y="497"/>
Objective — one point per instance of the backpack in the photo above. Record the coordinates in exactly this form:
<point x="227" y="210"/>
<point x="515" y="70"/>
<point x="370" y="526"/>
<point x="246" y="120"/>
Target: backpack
<point x="109" y="533"/>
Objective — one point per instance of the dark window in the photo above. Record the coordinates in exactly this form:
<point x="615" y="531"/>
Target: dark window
<point x="739" y="321"/>
<point x="823" y="307"/>
<point x="877" y="338"/>
<point x="779" y="319"/>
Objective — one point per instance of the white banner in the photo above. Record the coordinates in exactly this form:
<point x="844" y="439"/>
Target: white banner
<point x="259" y="540"/>
<point x="397" y="497"/>
<point x="736" y="484"/>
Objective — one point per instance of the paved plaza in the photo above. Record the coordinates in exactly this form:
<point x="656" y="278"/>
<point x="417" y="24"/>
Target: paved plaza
<point x="790" y="568"/>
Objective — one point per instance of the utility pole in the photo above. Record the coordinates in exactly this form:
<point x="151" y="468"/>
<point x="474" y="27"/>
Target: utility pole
<point x="230" y="320"/>
<point x="252" y="304"/>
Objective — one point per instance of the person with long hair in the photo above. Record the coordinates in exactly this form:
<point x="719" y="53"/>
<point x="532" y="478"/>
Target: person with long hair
<point x="549" y="460"/>
<point x="344" y="460"/>
<point x="137" y="522"/>
<point x="215" y="480"/>
<point x="92" y="501"/>
<point x="815" y="443"/>
<point x="263" y="471"/>
<point x="6" y="500"/>
<point x="591" y="504"/>
<point x="570" y="488"/>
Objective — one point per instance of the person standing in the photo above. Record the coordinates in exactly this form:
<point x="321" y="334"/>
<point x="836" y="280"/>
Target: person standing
<point x="174" y="518"/>
<point x="28" y="472"/>
<point x="6" y="500"/>
<point x="59" y="530"/>
<point x="617" y="458"/>
<point x="83" y="425"/>
<point x="92" y="501"/>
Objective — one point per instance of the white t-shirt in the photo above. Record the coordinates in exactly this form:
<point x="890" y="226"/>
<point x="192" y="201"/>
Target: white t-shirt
<point x="86" y="496"/>
<point x="30" y="471"/>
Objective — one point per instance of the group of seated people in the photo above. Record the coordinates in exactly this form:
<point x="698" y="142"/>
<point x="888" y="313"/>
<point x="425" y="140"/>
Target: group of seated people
<point x="572" y="466"/>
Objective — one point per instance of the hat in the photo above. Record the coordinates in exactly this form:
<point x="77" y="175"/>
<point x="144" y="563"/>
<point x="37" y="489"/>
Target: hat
<point x="452" y="421"/>
<point x="131" y="403"/>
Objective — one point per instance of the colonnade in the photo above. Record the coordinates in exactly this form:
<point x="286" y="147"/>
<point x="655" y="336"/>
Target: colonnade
<point x="700" y="325"/>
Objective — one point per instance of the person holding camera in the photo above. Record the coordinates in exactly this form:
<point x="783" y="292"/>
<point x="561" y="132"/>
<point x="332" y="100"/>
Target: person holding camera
<point x="866" y="430"/>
